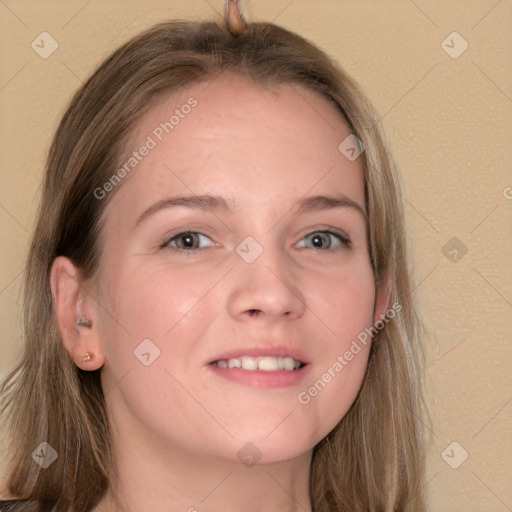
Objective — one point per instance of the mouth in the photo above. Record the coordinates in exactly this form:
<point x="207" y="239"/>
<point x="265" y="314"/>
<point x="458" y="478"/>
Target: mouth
<point x="261" y="367"/>
<point x="263" y="363"/>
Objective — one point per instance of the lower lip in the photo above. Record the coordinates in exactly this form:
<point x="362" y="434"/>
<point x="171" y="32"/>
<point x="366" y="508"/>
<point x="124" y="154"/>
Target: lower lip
<point x="262" y="378"/>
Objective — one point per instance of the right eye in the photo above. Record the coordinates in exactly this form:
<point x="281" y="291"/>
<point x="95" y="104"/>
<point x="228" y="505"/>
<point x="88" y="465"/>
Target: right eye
<point x="184" y="241"/>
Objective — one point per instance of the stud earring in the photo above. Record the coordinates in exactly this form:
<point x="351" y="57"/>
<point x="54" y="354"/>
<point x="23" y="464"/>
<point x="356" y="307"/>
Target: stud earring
<point x="86" y="358"/>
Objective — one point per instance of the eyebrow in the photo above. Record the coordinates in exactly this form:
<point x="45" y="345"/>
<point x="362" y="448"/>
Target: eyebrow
<point x="215" y="204"/>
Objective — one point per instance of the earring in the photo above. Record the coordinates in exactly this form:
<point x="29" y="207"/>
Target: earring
<point x="83" y="321"/>
<point x="86" y="358"/>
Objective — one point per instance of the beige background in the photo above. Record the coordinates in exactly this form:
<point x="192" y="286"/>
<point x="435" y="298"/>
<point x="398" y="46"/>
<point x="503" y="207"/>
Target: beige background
<point x="449" y="124"/>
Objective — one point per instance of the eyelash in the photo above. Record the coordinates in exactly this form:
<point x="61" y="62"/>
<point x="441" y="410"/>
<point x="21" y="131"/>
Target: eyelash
<point x="345" y="241"/>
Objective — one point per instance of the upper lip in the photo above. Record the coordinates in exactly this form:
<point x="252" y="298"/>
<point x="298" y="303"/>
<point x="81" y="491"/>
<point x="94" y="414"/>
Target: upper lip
<point x="262" y="351"/>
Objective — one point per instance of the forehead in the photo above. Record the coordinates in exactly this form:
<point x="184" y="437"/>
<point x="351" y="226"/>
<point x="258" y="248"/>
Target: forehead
<point x="243" y="141"/>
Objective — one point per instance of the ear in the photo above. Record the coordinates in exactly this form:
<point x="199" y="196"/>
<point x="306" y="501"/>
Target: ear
<point x="75" y="314"/>
<point x="382" y="299"/>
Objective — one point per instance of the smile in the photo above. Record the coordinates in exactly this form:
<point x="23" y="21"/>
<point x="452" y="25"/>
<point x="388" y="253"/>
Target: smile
<point x="266" y="363"/>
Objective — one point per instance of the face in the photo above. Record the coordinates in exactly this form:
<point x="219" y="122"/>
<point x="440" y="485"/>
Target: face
<point x="221" y="316"/>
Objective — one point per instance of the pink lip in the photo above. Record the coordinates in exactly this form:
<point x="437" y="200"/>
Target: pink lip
<point x="261" y="378"/>
<point x="262" y="352"/>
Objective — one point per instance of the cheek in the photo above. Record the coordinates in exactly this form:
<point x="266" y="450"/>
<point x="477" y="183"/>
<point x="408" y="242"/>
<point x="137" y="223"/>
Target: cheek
<point x="344" y="301"/>
<point x="143" y="338"/>
<point x="345" y="305"/>
<point x="155" y="315"/>
<point x="149" y="301"/>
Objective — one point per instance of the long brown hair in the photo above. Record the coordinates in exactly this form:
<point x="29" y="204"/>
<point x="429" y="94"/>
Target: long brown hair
<point x="374" y="459"/>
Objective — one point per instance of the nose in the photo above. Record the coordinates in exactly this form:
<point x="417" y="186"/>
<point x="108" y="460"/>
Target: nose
<point x="266" y="288"/>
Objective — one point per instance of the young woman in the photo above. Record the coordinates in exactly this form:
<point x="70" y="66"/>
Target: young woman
<point x="217" y="303"/>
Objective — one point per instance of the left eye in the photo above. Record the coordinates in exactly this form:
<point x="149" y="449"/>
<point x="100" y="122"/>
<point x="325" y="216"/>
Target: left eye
<point x="320" y="238"/>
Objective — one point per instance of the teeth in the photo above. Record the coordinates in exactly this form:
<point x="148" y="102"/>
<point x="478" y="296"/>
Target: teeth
<point x="266" y="363"/>
<point x="249" y="363"/>
<point x="288" y="363"/>
<point x="234" y="363"/>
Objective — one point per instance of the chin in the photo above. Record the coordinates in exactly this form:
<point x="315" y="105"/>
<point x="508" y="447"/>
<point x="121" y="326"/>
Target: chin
<point x="265" y="448"/>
